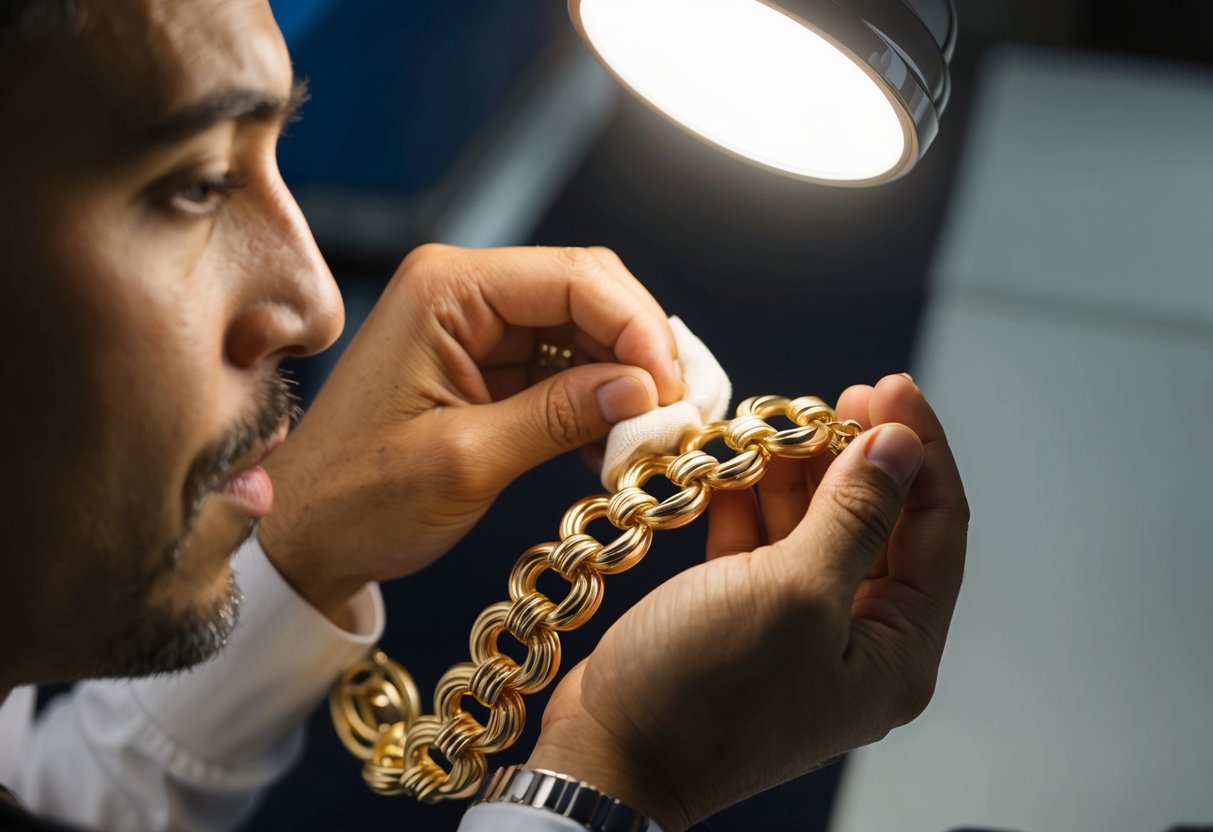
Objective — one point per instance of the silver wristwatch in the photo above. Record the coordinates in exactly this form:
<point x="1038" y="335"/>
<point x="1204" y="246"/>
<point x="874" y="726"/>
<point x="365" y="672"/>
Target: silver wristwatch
<point x="566" y="797"/>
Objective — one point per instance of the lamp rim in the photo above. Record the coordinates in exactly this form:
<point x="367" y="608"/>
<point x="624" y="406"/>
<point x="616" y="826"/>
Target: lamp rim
<point x="901" y="23"/>
<point x="911" y="102"/>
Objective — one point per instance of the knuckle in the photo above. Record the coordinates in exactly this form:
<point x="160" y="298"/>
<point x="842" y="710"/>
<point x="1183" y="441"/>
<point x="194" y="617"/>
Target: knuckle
<point x="561" y="416"/>
<point x="865" y="513"/>
<point x="425" y="252"/>
<point x="606" y="253"/>
<point x="580" y="260"/>
<point x="421" y="266"/>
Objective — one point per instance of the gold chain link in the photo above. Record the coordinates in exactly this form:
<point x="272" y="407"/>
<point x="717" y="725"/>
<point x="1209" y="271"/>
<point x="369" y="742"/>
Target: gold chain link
<point x="375" y="705"/>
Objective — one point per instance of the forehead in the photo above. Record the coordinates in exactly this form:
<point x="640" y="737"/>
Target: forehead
<point x="130" y="63"/>
<point x="155" y="55"/>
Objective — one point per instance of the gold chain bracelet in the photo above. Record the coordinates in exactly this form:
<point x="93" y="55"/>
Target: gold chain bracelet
<point x="375" y="705"/>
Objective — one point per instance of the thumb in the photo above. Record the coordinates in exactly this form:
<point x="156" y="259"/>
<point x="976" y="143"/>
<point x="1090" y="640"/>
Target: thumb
<point x="855" y="509"/>
<point x="566" y="411"/>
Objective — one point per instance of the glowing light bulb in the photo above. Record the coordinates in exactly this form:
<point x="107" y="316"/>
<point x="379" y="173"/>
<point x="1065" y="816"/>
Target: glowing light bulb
<point x="754" y="81"/>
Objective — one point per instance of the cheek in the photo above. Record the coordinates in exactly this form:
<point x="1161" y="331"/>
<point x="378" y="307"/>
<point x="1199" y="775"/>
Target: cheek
<point x="118" y="386"/>
<point x="162" y="356"/>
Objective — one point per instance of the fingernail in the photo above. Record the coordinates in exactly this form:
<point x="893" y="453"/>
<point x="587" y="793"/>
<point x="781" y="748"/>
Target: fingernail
<point x="680" y="385"/>
<point x="896" y="451"/>
<point x="910" y="378"/>
<point x="623" y="398"/>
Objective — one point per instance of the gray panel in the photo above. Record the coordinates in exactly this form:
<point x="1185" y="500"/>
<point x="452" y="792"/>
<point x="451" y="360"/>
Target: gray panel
<point x="1069" y="351"/>
<point x="1075" y="690"/>
<point x="1088" y="179"/>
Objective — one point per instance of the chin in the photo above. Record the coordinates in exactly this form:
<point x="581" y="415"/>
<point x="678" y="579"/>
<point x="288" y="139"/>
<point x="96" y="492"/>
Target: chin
<point x="184" y="613"/>
<point x="203" y="557"/>
<point x="165" y="637"/>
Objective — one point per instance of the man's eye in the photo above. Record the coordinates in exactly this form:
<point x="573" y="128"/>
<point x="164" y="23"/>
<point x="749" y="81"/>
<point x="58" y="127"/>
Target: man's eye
<point x="204" y="196"/>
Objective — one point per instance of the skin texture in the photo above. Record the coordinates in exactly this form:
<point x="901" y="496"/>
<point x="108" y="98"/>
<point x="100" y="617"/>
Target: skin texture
<point x="796" y="644"/>
<point x="159" y="303"/>
<point x="153" y="288"/>
<point x="440" y="393"/>
<point x="141" y="324"/>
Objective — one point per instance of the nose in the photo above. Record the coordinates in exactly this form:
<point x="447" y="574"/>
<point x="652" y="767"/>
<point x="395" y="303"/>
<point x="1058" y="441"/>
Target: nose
<point x="290" y="305"/>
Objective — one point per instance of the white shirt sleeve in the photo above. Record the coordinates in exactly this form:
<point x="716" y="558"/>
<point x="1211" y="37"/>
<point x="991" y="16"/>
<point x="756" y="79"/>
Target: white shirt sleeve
<point x="193" y="750"/>
<point x="510" y="817"/>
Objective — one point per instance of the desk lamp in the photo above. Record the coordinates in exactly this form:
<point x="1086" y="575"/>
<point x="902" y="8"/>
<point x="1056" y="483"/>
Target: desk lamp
<point x="843" y="92"/>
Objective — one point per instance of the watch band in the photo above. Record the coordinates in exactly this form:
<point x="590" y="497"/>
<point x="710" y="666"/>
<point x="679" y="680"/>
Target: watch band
<point x="558" y="793"/>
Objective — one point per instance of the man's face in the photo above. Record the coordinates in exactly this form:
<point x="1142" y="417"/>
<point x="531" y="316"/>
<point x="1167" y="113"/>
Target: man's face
<point x="155" y="271"/>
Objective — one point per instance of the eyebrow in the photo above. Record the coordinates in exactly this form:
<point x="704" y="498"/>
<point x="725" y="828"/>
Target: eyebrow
<point x="233" y="105"/>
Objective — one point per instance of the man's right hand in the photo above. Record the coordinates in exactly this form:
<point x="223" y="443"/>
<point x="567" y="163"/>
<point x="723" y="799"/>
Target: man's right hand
<point x="437" y="404"/>
<point x="768" y="660"/>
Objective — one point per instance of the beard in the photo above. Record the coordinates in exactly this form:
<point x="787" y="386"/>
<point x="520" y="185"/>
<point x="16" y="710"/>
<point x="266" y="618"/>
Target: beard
<point x="169" y="634"/>
<point x="165" y="639"/>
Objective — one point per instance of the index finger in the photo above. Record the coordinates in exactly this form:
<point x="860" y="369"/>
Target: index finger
<point x="927" y="549"/>
<point x="544" y="287"/>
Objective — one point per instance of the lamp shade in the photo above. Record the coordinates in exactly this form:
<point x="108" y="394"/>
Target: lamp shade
<point x="845" y="92"/>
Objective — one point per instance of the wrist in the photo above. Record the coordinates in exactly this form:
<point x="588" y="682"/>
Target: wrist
<point x="564" y="796"/>
<point x="327" y="594"/>
<point x="620" y="776"/>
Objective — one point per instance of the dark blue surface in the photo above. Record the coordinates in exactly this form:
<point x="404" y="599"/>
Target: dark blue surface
<point x="401" y="87"/>
<point x="296" y="18"/>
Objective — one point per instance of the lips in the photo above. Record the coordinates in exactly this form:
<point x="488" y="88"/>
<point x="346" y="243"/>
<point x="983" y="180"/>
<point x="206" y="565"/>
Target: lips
<point x="251" y="490"/>
<point x="250" y="487"/>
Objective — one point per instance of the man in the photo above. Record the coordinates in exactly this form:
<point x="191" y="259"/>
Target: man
<point x="157" y="270"/>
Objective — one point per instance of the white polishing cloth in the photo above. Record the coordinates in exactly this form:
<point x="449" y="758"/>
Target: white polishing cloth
<point x="660" y="430"/>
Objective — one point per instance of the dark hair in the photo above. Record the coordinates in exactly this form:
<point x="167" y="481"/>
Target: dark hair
<point x="23" y="21"/>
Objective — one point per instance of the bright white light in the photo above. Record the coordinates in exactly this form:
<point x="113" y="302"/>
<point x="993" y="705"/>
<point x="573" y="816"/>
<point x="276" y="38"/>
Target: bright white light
<point x="752" y="80"/>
